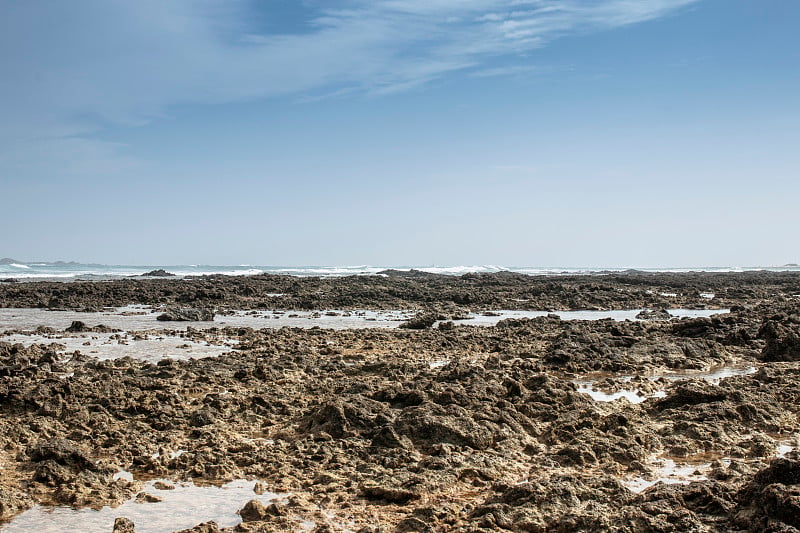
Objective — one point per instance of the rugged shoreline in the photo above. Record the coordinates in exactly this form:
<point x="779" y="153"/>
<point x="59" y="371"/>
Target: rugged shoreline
<point x="452" y="428"/>
<point x="401" y="290"/>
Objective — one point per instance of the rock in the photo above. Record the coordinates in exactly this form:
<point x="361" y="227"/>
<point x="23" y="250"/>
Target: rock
<point x="256" y="511"/>
<point x="428" y="428"/>
<point x="654" y="314"/>
<point x="253" y="511"/>
<point x="12" y="502"/>
<point x="205" y="527"/>
<point x="76" y="327"/>
<point x="782" y="340"/>
<point x="124" y="525"/>
<point x="187" y="314"/>
<point x="201" y="418"/>
<point x="163" y="485"/>
<point x="159" y="273"/>
<point x="61" y="451"/>
<point x="691" y="394"/>
<point x="413" y="524"/>
<point x="146" y="497"/>
<point x="771" y="502"/>
<point x="387" y="437"/>
<point x="783" y="471"/>
<point x="421" y="321"/>
<point x="389" y="494"/>
<point x="693" y="327"/>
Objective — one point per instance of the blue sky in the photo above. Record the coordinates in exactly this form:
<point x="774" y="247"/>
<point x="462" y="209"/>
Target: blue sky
<point x="414" y="132"/>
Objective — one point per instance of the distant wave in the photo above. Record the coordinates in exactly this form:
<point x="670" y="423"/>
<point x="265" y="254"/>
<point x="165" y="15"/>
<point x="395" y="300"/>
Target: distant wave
<point x="246" y="272"/>
<point x="458" y="270"/>
<point x="18" y="265"/>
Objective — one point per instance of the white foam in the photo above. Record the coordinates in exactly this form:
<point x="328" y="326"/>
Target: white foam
<point x="246" y="272"/>
<point x="74" y="270"/>
<point x="461" y="269"/>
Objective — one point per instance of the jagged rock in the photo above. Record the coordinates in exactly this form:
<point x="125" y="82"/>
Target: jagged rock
<point x="124" y="525"/>
<point x="429" y="426"/>
<point x="782" y="340"/>
<point x="387" y="437"/>
<point x="205" y="527"/>
<point x="146" y="497"/>
<point x="693" y="327"/>
<point x="62" y="452"/>
<point x="187" y="314"/>
<point x="201" y="418"/>
<point x="256" y="511"/>
<point x="13" y="502"/>
<point x="654" y="314"/>
<point x="76" y="327"/>
<point x="420" y="321"/>
<point x="389" y="494"/>
<point x="771" y="502"/>
<point x="158" y="273"/>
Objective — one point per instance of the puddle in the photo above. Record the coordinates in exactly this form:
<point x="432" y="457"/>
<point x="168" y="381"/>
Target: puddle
<point x="141" y="318"/>
<point x="671" y="472"/>
<point x="148" y="347"/>
<point x="183" y="507"/>
<point x="787" y="445"/>
<point x="695" y="467"/>
<point x="713" y="375"/>
<point x="634" y="395"/>
<point x="620" y="315"/>
<point x="439" y="364"/>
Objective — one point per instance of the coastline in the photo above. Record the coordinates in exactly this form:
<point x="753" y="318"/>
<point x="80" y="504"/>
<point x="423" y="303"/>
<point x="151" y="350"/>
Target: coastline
<point x="652" y="422"/>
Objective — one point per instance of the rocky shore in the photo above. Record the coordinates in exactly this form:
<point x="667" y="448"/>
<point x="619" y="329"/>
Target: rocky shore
<point x="440" y="427"/>
<point x="406" y="290"/>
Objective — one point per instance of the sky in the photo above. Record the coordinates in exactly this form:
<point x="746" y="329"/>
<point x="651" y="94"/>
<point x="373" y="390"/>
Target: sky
<point x="635" y="133"/>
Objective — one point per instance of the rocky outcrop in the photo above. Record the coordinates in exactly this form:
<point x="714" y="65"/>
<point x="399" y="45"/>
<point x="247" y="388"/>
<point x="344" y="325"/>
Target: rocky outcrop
<point x="782" y="338"/>
<point x="771" y="502"/>
<point x="159" y="273"/>
<point x="654" y="314"/>
<point x="460" y="429"/>
<point x="187" y="314"/>
<point x="12" y="502"/>
<point x="420" y="321"/>
<point x="124" y="525"/>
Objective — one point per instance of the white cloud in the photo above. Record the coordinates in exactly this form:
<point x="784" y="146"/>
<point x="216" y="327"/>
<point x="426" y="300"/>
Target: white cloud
<point x="70" y="68"/>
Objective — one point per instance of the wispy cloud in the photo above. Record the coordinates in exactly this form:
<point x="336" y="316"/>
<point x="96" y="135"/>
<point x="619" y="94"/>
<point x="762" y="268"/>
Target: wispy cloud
<point x="72" y="67"/>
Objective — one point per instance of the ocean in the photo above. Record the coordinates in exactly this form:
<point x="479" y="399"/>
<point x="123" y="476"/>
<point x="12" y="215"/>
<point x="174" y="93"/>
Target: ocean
<point x="10" y="269"/>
